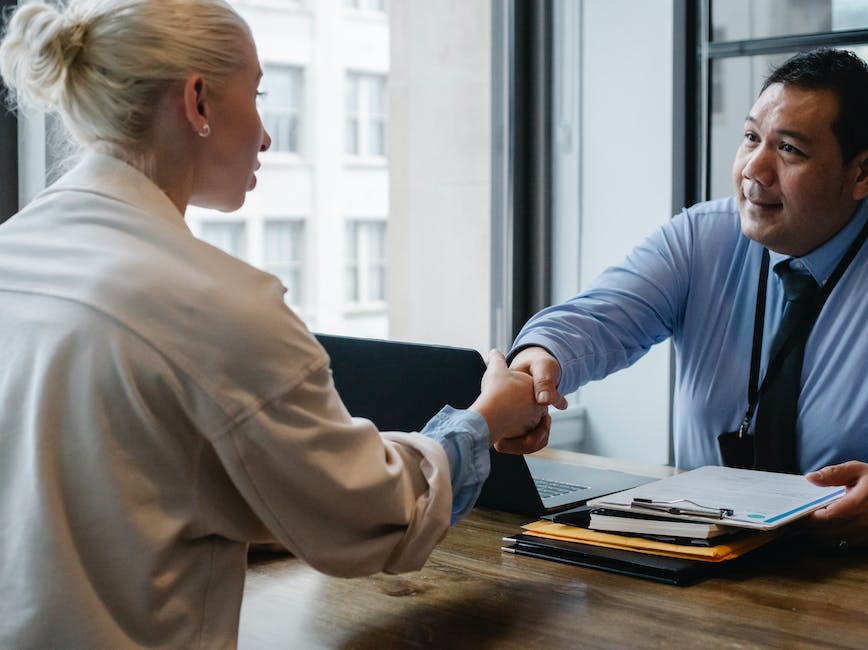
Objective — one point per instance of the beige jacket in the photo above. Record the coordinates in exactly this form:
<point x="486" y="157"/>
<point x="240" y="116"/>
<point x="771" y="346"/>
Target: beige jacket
<point x="160" y="407"/>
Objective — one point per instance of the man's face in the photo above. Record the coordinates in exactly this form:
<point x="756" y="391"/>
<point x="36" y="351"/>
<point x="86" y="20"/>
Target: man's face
<point x="793" y="190"/>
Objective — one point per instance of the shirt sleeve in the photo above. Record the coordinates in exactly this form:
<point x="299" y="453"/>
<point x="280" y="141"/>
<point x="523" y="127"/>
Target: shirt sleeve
<point x="464" y="436"/>
<point x="625" y="310"/>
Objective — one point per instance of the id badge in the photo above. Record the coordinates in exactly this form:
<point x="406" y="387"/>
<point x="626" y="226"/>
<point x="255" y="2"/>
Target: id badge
<point x="736" y="450"/>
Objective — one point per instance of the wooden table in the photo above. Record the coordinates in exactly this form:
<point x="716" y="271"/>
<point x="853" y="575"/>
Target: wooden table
<point x="472" y="595"/>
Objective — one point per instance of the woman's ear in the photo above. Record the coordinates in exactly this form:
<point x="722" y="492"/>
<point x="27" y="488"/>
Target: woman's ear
<point x="196" y="104"/>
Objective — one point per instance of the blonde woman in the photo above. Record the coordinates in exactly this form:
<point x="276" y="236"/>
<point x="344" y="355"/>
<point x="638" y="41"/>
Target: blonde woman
<point x="160" y="407"/>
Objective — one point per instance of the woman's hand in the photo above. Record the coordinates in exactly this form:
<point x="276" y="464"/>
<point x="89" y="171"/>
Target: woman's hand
<point x="517" y="424"/>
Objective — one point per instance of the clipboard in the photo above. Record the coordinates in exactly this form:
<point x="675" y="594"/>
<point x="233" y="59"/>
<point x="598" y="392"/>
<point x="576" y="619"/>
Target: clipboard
<point x="734" y="497"/>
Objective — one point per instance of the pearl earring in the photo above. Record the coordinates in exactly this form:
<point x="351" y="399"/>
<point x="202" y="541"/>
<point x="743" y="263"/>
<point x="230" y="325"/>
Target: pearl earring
<point x="205" y="131"/>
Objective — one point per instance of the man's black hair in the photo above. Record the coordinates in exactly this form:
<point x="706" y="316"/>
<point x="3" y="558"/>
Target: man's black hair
<point x="841" y="72"/>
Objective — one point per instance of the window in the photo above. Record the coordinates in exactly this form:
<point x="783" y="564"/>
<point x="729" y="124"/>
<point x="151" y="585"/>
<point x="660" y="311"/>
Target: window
<point x="365" y="263"/>
<point x="365" y="105"/>
<point x="280" y="107"/>
<point x="426" y="189"/>
<point x="228" y="236"/>
<point x="283" y="255"/>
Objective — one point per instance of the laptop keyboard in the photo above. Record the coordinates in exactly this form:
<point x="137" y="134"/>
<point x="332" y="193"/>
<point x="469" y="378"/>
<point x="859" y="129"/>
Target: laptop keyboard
<point x="547" y="488"/>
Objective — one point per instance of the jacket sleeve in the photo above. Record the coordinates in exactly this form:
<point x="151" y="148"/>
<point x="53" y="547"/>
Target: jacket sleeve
<point x="336" y="492"/>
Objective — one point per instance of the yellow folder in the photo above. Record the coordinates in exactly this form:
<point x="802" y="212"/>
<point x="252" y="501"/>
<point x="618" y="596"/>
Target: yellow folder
<point x="719" y="553"/>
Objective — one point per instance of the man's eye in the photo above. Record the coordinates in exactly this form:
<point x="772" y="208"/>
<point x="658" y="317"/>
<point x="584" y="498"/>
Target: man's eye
<point x="788" y="148"/>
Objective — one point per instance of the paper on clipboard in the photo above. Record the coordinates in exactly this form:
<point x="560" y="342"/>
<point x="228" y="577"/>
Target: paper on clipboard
<point x="760" y="500"/>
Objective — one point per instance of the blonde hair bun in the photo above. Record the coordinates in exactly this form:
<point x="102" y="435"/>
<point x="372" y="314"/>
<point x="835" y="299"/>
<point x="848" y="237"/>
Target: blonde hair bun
<point x="40" y="45"/>
<point x="103" y="65"/>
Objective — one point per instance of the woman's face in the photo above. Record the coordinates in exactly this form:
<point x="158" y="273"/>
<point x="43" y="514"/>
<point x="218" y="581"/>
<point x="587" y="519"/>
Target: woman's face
<point x="230" y="154"/>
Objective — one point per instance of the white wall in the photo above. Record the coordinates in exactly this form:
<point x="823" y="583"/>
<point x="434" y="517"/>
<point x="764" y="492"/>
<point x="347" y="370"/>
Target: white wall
<point x="625" y="194"/>
<point x="440" y="172"/>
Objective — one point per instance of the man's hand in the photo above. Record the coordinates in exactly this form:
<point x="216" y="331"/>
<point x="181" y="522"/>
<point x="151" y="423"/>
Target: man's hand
<point x="842" y="523"/>
<point x="546" y="373"/>
<point x="517" y="424"/>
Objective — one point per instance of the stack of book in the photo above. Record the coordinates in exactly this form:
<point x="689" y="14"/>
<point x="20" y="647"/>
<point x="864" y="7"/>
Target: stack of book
<point x="668" y="530"/>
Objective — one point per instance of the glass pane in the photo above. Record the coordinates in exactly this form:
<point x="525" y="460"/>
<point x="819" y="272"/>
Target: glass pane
<point x="376" y="96"/>
<point x="280" y="105"/>
<point x="432" y="100"/>
<point x="746" y="19"/>
<point x="377" y="240"/>
<point x="377" y="138"/>
<point x="351" y="242"/>
<point x="225" y="235"/>
<point x="351" y="136"/>
<point x="351" y="281"/>
<point x="428" y="92"/>
<point x="351" y="94"/>
<point x="377" y="283"/>
<point x="281" y="85"/>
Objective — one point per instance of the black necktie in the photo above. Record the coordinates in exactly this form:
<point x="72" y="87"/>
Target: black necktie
<point x="775" y="441"/>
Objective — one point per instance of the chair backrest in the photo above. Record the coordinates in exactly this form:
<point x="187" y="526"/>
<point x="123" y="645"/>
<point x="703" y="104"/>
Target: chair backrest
<point x="399" y="386"/>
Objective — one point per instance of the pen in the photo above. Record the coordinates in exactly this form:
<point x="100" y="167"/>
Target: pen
<point x="669" y="508"/>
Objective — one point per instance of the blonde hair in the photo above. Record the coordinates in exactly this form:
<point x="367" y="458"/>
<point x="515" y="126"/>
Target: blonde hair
<point x="104" y="65"/>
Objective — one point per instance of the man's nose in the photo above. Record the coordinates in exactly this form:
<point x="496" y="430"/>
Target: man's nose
<point x="759" y="166"/>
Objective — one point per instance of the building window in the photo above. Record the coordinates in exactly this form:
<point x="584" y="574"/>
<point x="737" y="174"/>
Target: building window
<point x="280" y="106"/>
<point x="365" y="106"/>
<point x="365" y="262"/>
<point x="283" y="255"/>
<point x="229" y="236"/>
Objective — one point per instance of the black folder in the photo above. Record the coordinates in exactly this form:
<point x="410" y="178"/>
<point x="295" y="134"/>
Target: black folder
<point x="660" y="568"/>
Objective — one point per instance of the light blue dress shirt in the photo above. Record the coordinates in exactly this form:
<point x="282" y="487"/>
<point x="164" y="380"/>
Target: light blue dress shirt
<point x="464" y="436"/>
<point x="695" y="280"/>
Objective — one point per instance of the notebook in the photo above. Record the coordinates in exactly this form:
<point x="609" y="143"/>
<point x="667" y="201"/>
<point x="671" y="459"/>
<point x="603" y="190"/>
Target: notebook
<point x="399" y="386"/>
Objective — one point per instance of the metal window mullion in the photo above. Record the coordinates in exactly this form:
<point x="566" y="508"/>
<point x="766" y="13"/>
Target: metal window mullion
<point x="8" y="151"/>
<point x="522" y="183"/>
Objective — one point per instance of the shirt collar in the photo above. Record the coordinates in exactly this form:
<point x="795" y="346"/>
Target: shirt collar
<point x="821" y="262"/>
<point x="111" y="177"/>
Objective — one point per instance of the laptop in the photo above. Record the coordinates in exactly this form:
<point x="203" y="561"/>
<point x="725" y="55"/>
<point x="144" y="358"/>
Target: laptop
<point x="400" y="386"/>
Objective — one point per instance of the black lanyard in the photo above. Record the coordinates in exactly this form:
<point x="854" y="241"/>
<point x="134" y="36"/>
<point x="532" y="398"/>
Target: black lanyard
<point x="753" y="390"/>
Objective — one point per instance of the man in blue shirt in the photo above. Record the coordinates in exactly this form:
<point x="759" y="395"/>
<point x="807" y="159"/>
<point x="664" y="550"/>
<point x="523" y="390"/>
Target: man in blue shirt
<point x="801" y="177"/>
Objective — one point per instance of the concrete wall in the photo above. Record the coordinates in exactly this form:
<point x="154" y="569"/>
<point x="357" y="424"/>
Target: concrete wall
<point x="440" y="172"/>
<point x="625" y="194"/>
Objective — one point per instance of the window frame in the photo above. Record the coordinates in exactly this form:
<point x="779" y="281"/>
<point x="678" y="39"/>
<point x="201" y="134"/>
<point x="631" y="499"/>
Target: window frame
<point x="290" y="113"/>
<point x="362" y="116"/>
<point x="9" y="202"/>
<point x="521" y="181"/>
<point x="362" y="262"/>
<point x="294" y="266"/>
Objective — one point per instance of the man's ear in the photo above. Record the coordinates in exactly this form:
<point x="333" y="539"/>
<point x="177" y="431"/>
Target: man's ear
<point x="859" y="169"/>
<point x="196" y="102"/>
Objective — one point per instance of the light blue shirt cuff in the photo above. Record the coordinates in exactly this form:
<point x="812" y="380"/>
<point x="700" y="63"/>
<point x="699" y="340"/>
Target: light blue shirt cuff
<point x="464" y="436"/>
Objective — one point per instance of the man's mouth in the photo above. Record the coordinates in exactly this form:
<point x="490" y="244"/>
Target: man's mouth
<point x="761" y="202"/>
